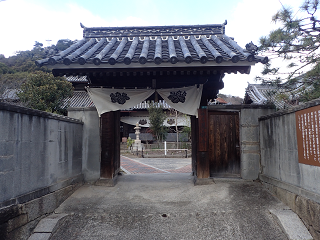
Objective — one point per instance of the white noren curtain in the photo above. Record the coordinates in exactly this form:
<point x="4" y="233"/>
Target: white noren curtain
<point x="107" y="100"/>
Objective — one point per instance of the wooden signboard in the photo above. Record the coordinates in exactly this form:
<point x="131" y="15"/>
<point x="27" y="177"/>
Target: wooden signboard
<point x="308" y="135"/>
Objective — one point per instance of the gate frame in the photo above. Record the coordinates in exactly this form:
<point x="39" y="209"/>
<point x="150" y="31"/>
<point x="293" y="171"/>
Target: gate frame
<point x="249" y="141"/>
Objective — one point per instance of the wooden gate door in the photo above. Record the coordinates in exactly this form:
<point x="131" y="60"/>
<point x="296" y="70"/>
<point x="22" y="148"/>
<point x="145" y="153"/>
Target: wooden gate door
<point x="110" y="144"/>
<point x="224" y="148"/>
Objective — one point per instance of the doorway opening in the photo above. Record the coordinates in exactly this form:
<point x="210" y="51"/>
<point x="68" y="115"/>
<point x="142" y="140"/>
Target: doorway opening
<point x="169" y="154"/>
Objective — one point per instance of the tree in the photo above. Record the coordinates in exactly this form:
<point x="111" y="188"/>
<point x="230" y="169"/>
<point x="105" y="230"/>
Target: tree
<point x="297" y="42"/>
<point x="156" y="118"/>
<point x="63" y="44"/>
<point x="10" y="82"/>
<point x="45" y="92"/>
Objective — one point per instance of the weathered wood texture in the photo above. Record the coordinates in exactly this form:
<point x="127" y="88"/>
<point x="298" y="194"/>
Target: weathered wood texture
<point x="110" y="144"/>
<point x="203" y="167"/>
<point x="224" y="150"/>
<point x="203" y="130"/>
<point x="194" y="127"/>
<point x="307" y="127"/>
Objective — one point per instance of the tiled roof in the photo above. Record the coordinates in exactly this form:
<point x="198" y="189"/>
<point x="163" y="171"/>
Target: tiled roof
<point x="80" y="79"/>
<point x="10" y="95"/>
<point x="154" y="45"/>
<point x="145" y="105"/>
<point x="264" y="94"/>
<point x="79" y="99"/>
<point x="221" y="100"/>
<point x="82" y="99"/>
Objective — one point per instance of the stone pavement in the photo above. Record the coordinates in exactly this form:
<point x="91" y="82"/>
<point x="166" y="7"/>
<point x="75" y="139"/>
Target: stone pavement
<point x="169" y="206"/>
<point x="155" y="165"/>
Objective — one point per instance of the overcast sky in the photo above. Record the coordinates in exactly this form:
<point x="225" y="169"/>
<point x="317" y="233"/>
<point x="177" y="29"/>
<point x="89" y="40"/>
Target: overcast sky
<point x="22" y="22"/>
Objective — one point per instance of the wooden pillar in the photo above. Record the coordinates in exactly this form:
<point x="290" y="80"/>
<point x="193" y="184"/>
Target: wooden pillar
<point x="203" y="170"/>
<point x="110" y="145"/>
<point x="202" y="127"/>
<point x="194" y="142"/>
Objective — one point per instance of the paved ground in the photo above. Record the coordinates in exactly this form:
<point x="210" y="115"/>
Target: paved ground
<point x="155" y="165"/>
<point x="169" y="206"/>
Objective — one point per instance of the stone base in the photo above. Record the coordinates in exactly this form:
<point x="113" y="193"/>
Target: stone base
<point x="137" y="146"/>
<point x="301" y="201"/>
<point x="107" y="182"/>
<point x="202" y="181"/>
<point x="18" y="221"/>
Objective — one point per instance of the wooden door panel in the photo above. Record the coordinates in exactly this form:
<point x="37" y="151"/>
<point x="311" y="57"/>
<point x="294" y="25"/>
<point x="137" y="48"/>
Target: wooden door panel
<point x="224" y="155"/>
<point x="110" y="144"/>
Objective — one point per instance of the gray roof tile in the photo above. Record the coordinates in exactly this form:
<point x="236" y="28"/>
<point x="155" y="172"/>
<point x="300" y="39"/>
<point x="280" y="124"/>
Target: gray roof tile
<point x="159" y="44"/>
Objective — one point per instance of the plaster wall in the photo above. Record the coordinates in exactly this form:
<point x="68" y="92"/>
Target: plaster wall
<point x="91" y="141"/>
<point x="279" y="153"/>
<point x="37" y="150"/>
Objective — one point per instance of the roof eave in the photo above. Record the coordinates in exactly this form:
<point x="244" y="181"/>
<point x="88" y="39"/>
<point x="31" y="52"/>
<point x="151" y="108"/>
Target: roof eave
<point x="150" y="65"/>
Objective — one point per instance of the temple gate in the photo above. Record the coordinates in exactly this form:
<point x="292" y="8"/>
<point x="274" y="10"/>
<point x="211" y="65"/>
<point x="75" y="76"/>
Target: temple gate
<point x="158" y="58"/>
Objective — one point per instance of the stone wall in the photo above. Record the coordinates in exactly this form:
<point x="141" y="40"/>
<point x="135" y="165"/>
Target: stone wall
<point x="249" y="135"/>
<point x="40" y="166"/>
<point x="294" y="183"/>
<point x="250" y="141"/>
<point x="91" y="141"/>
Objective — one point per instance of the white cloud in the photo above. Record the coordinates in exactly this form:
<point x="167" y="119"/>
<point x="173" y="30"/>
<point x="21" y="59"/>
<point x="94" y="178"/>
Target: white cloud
<point x="23" y="23"/>
<point x="29" y="23"/>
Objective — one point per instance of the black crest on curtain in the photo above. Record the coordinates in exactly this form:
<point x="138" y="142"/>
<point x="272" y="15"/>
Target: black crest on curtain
<point x="179" y="96"/>
<point x="143" y="122"/>
<point x="120" y="98"/>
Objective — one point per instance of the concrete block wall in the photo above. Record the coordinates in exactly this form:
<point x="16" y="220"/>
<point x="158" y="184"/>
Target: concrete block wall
<point x="37" y="150"/>
<point x="279" y="151"/>
<point x="91" y="141"/>
<point x="40" y="166"/>
<point x="296" y="184"/>
<point x="250" y="140"/>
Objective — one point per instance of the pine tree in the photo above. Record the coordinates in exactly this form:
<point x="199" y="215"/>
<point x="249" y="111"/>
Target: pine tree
<point x="297" y="42"/>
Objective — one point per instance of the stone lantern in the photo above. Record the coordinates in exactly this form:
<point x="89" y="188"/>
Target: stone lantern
<point x="137" y="146"/>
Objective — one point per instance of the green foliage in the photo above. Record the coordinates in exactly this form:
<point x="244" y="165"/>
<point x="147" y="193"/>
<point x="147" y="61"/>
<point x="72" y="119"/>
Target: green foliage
<point x="4" y="69"/>
<point x="23" y="61"/>
<point x="186" y="130"/>
<point x="130" y="141"/>
<point x="11" y="81"/>
<point x="44" y="92"/>
<point x="297" y="41"/>
<point x="63" y="44"/>
<point x="156" y="118"/>
<point x="37" y="86"/>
